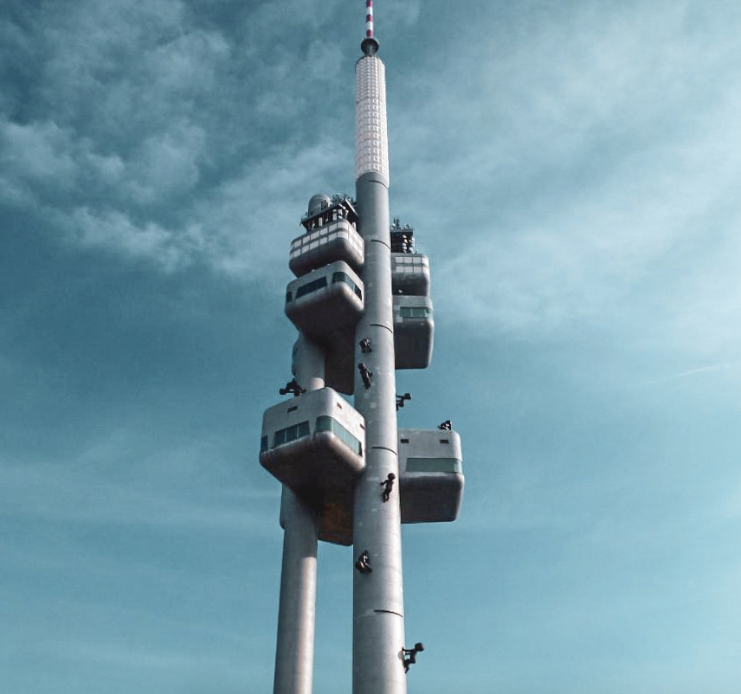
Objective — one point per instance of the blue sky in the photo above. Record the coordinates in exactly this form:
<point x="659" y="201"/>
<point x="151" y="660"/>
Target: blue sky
<point x="572" y="170"/>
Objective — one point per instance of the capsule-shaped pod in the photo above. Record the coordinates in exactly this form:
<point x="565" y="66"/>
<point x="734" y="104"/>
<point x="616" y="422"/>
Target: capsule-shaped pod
<point x="414" y="330"/>
<point x="328" y="243"/>
<point x="325" y="301"/>
<point x="410" y="274"/>
<point x="314" y="444"/>
<point x="430" y="475"/>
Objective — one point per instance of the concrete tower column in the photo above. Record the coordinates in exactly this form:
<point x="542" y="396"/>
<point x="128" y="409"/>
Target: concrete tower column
<point x="294" y="657"/>
<point x="378" y="605"/>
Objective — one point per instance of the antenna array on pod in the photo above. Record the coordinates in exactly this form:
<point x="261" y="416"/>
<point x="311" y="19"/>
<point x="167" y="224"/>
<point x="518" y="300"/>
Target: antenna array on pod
<point x="360" y="300"/>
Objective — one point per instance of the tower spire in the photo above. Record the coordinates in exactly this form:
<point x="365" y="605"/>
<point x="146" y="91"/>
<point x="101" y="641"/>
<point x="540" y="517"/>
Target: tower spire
<point x="369" y="45"/>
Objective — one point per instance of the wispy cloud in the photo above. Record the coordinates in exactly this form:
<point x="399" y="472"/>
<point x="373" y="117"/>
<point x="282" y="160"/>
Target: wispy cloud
<point x="131" y="142"/>
<point x="593" y="189"/>
<point x="690" y="372"/>
<point x="114" y="482"/>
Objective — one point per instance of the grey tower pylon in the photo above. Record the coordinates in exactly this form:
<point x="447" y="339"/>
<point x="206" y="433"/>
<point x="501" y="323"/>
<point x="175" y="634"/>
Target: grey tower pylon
<point x="378" y="600"/>
<point x="294" y="658"/>
<point x="361" y="303"/>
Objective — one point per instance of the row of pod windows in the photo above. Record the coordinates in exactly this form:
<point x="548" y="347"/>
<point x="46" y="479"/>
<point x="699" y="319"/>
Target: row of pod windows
<point x="297" y="431"/>
<point x="302" y="429"/>
<point x="428" y="465"/>
<point x="322" y="237"/>
<point x="327" y="423"/>
<point x="415" y="312"/>
<point x="321" y="283"/>
<point x="415" y="259"/>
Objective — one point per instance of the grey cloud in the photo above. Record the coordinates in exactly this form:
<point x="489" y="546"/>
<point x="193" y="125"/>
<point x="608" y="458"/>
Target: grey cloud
<point x="37" y="152"/>
<point x="168" y="164"/>
<point x="587" y="172"/>
<point x="129" y="120"/>
<point x="406" y="14"/>
<point x="116" y="231"/>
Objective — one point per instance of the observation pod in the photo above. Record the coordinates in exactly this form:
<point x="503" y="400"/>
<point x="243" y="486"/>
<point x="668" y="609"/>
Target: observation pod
<point x="414" y="330"/>
<point x="325" y="305"/>
<point x="431" y="475"/>
<point x="314" y="444"/>
<point x="331" y="235"/>
<point x="325" y="301"/>
<point x="410" y="274"/>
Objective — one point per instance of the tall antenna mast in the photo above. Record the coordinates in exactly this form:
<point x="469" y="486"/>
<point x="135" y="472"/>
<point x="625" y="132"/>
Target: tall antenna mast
<point x="369" y="45"/>
<point x="361" y="303"/>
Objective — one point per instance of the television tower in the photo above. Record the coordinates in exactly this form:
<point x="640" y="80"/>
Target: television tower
<point x="361" y="303"/>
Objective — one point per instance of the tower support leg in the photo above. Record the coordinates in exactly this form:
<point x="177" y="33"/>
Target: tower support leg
<point x="294" y="656"/>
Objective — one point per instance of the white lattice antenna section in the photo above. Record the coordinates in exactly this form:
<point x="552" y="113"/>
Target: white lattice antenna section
<point x="371" y="137"/>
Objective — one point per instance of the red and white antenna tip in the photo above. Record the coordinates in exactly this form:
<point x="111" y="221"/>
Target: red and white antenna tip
<point x="370" y="44"/>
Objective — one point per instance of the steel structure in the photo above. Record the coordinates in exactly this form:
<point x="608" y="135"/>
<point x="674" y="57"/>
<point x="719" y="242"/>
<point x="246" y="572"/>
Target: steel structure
<point x="361" y="303"/>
